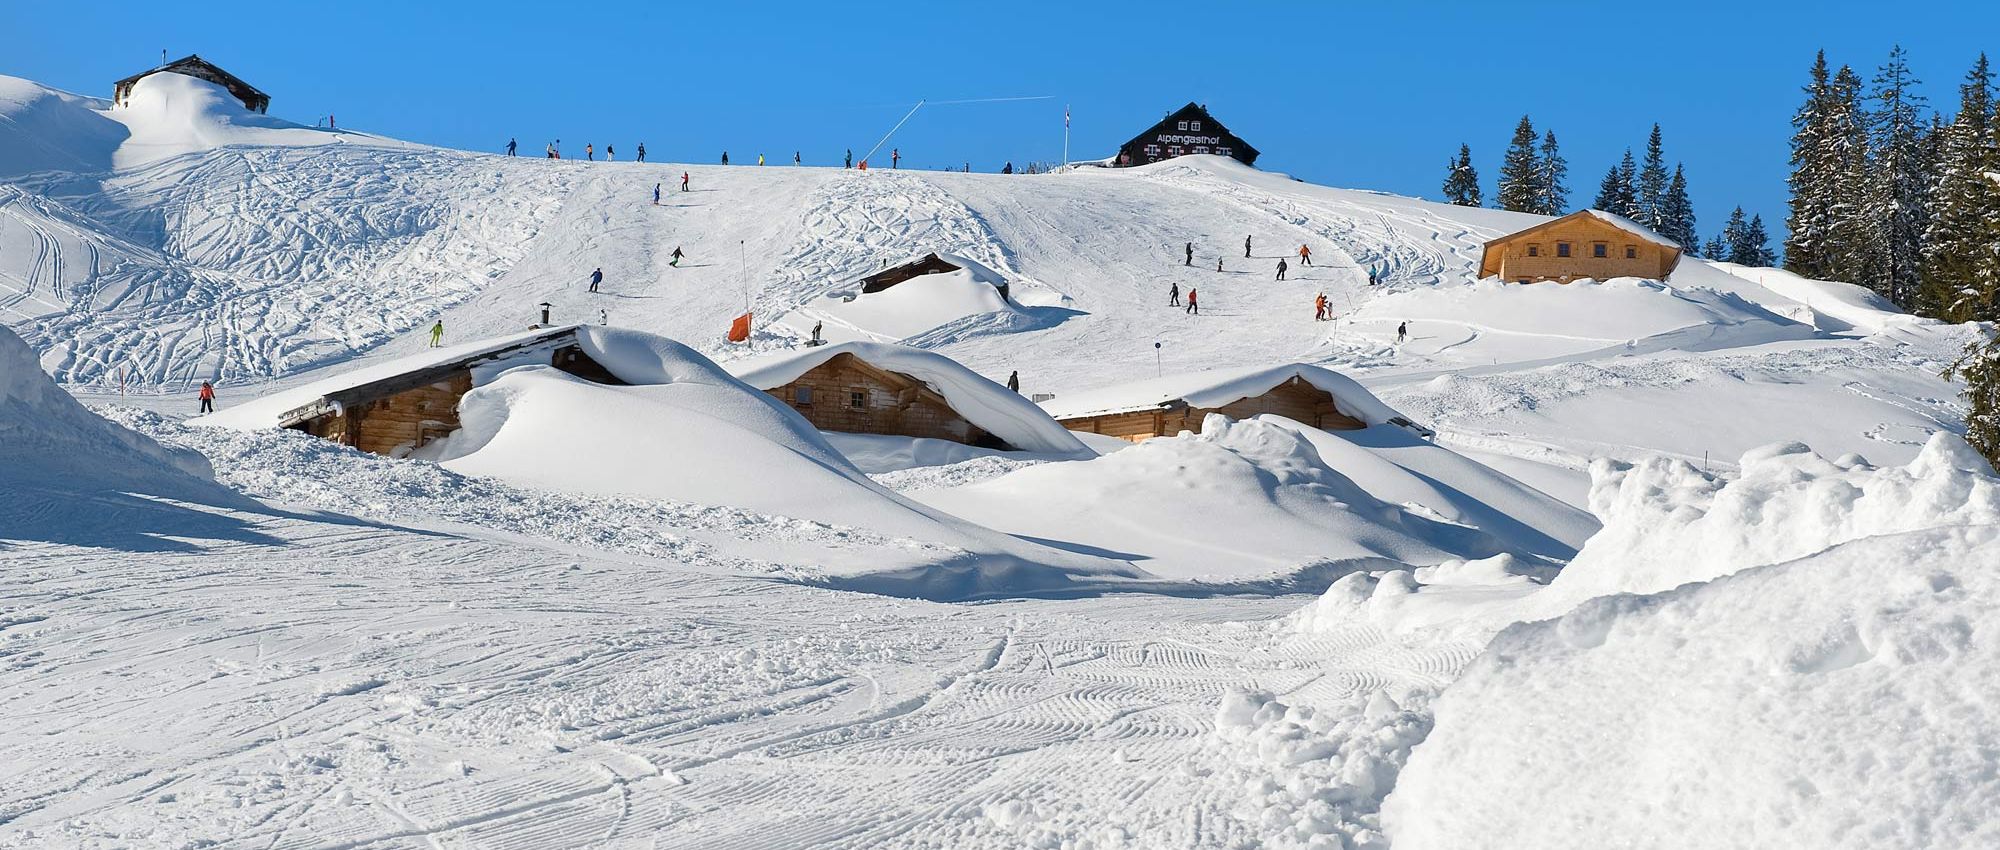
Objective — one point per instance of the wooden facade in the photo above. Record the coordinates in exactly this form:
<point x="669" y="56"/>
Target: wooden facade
<point x="1188" y="130"/>
<point x="395" y="416"/>
<point x="1579" y="245"/>
<point x="199" y="68"/>
<point x="851" y="395"/>
<point x="929" y="264"/>
<point x="1295" y="399"/>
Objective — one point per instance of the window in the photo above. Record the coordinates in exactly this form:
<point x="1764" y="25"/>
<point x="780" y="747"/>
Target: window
<point x="1152" y="150"/>
<point x="1201" y="149"/>
<point x="1562" y="249"/>
<point x="1223" y="152"/>
<point x="1534" y="250"/>
<point x="1183" y="126"/>
<point x="802" y="396"/>
<point x="1631" y="252"/>
<point x="1194" y="126"/>
<point x="857" y="399"/>
<point x="1173" y="150"/>
<point x="1600" y="250"/>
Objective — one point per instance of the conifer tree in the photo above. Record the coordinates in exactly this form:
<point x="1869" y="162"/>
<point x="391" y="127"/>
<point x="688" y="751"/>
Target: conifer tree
<point x="1897" y="197"/>
<point x="1608" y="192"/>
<point x="1519" y="188"/>
<point x="1851" y="245"/>
<point x="1808" y="225"/>
<point x="1979" y="366"/>
<point x="1960" y="270"/>
<point x="1652" y="189"/>
<point x="1461" y="181"/>
<point x="1554" y="176"/>
<point x="1677" y="212"/>
<point x="1756" y="247"/>
<point x="1628" y="187"/>
<point x="1716" y="249"/>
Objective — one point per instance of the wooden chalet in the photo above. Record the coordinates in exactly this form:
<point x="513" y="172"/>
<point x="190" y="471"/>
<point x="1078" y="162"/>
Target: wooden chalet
<point x="401" y="412"/>
<point x="1584" y="244"/>
<point x="1188" y="130"/>
<point x="927" y="264"/>
<point x="1171" y="404"/>
<point x="199" y="68"/>
<point x="849" y="394"/>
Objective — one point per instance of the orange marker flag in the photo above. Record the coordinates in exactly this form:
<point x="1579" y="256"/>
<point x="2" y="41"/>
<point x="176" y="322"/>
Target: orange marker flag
<point x="739" y="330"/>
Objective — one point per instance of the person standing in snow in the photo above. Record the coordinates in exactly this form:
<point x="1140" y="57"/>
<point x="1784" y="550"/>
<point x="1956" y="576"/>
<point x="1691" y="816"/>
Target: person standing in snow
<point x="676" y="257"/>
<point x="603" y="316"/>
<point x="1190" y="255"/>
<point x="656" y="194"/>
<point x="1014" y="381"/>
<point x="610" y="154"/>
<point x="596" y="277"/>
<point x="1174" y="295"/>
<point x="1008" y="168"/>
<point x="1218" y="264"/>
<point x="1193" y="306"/>
<point x="1246" y="247"/>
<point x="510" y="147"/>
<point x="1371" y="277"/>
<point x="760" y="159"/>
<point x="1305" y="256"/>
<point x="1319" y="307"/>
<point x="895" y="158"/>
<point x="642" y="151"/>
<point x="684" y="181"/>
<point x="437" y="333"/>
<point x="1402" y="332"/>
<point x="207" y="396"/>
<point x="817" y="325"/>
<point x="849" y="161"/>
<point x="590" y="152"/>
<point x="725" y="157"/>
<point x="1281" y="268"/>
<point x="549" y="151"/>
<point x="796" y="159"/>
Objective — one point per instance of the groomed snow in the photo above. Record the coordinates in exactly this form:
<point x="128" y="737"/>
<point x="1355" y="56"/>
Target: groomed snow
<point x="994" y="408"/>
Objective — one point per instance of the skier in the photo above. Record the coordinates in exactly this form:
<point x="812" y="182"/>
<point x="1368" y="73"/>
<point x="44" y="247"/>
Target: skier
<point x="596" y="277"/>
<point x="1218" y="264"/>
<point x="603" y="317"/>
<point x="1193" y="307"/>
<point x="1281" y="268"/>
<point x="684" y="181"/>
<point x="590" y="152"/>
<point x="849" y="161"/>
<point x="510" y="147"/>
<point x="760" y="159"/>
<point x="1007" y="169"/>
<point x="549" y="151"/>
<point x="1402" y="332"/>
<point x="796" y="160"/>
<point x="642" y="151"/>
<point x="329" y="121"/>
<point x="1305" y="256"/>
<point x="725" y="157"/>
<point x="437" y="333"/>
<point x="1190" y="255"/>
<point x="207" y="396"/>
<point x="610" y="154"/>
<point x="1014" y="381"/>
<point x="1174" y="295"/>
<point x="895" y="158"/>
<point x="1319" y="307"/>
<point x="1371" y="277"/>
<point x="816" y="340"/>
<point x="1246" y="247"/>
<point x="677" y="255"/>
<point x="656" y="194"/>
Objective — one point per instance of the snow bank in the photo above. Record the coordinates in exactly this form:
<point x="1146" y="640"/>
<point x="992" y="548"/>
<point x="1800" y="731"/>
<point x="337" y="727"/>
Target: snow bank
<point x="1840" y="701"/>
<point x="48" y="441"/>
<point x="908" y="308"/>
<point x="1576" y="316"/>
<point x="1241" y="501"/>
<point x="42" y="129"/>
<point x="1666" y="523"/>
<point x="1829" y="305"/>
<point x="1219" y="387"/>
<point x="990" y="406"/>
<point x="172" y="114"/>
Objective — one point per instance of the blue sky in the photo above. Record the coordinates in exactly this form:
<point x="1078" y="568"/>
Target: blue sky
<point x="1371" y="95"/>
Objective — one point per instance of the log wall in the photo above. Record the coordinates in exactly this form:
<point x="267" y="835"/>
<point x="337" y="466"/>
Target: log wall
<point x="1583" y="234"/>
<point x="844" y="394"/>
<point x="1294" y="399"/>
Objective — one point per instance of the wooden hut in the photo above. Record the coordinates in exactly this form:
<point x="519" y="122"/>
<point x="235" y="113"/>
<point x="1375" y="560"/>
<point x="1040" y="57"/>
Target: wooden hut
<point x="1167" y="406"/>
<point x="930" y="263"/>
<point x="199" y="68"/>
<point x="847" y="393"/>
<point x="396" y="413"/>
<point x="1188" y="130"/>
<point x="1584" y="244"/>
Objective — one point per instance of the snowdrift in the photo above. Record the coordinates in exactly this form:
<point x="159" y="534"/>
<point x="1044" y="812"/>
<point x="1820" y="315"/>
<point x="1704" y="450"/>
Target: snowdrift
<point x="909" y="308"/>
<point x="49" y="440"/>
<point x="42" y="129"/>
<point x="1241" y="501"/>
<point x="1220" y="387"/>
<point x="171" y="114"/>
<point x="982" y="402"/>
<point x="1827" y="305"/>
<point x="1839" y="701"/>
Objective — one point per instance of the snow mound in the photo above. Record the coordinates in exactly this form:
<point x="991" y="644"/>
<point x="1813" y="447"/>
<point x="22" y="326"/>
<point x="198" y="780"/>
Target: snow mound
<point x="1839" y="701"/>
<point x="992" y="407"/>
<point x="1667" y="523"/>
<point x="909" y="308"/>
<point x="50" y="441"/>
<point x="1241" y="501"/>
<point x="1219" y="387"/>
<point x="42" y="129"/>
<point x="1828" y="305"/>
<point x="172" y="114"/>
<point x="1578" y="316"/>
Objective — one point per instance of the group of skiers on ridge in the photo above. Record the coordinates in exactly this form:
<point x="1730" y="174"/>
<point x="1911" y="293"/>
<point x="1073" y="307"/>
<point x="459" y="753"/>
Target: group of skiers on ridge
<point x="1322" y="308"/>
<point x="553" y="150"/>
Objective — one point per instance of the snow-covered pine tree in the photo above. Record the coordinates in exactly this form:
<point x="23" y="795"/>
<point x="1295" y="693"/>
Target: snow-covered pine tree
<point x="1554" y="177"/>
<point x="1628" y="187"/>
<point x="1608" y="192"/>
<point x="1736" y="246"/>
<point x="1808" y="240"/>
<point x="1757" y="244"/>
<point x="1677" y="212"/>
<point x="1520" y="186"/>
<point x="1960" y="272"/>
<point x="1897" y="197"/>
<point x="1851" y="236"/>
<point x="1979" y="366"/>
<point x="1652" y="193"/>
<point x="1716" y="249"/>
<point x="1461" y="181"/>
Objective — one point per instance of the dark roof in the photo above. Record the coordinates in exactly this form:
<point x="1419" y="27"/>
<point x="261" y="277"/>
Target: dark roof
<point x="428" y="374"/>
<point x="194" y="60"/>
<point x="1194" y="110"/>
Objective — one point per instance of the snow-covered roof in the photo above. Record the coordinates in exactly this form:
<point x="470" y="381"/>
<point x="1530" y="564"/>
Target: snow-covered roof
<point x="1219" y="387"/>
<point x="979" y="271"/>
<point x="269" y="411"/>
<point x="1610" y="218"/>
<point x="992" y="407"/>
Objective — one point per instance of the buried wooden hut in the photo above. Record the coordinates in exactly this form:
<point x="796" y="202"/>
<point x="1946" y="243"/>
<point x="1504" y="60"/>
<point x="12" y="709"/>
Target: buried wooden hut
<point x="199" y="68"/>
<point x="1171" y="404"/>
<point x="1584" y="244"/>
<point x="395" y="408"/>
